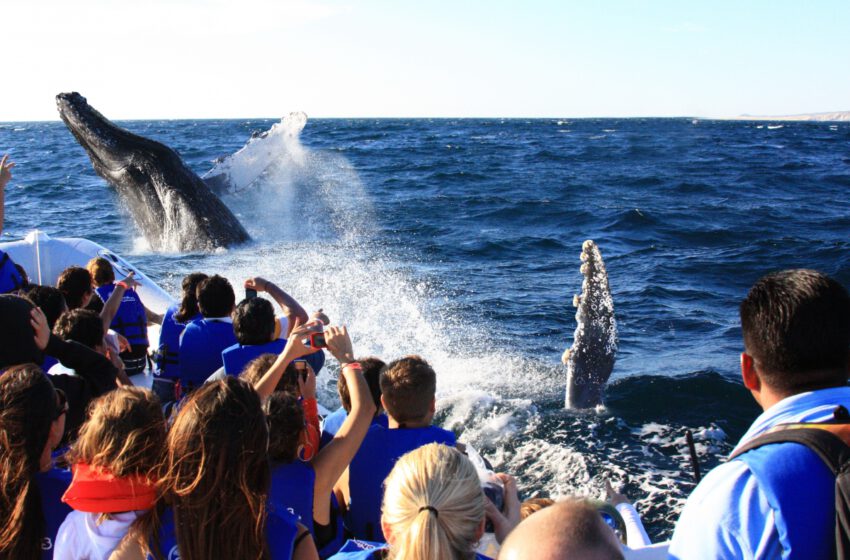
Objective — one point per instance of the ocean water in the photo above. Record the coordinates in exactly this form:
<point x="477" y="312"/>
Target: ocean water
<point x="459" y="240"/>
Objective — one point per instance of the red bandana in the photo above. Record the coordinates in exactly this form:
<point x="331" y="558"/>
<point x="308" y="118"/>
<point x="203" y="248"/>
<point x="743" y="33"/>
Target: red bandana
<point x="96" y="490"/>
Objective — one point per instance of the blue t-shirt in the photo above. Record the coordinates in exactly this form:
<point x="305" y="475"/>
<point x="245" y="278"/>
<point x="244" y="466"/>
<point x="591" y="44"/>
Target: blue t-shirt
<point x="281" y="530"/>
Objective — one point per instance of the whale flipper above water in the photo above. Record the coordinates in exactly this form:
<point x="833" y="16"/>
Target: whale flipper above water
<point x="263" y="150"/>
<point x="591" y="358"/>
<point x="173" y="207"/>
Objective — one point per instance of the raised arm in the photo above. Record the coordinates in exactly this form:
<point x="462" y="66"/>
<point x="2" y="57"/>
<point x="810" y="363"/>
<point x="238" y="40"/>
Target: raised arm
<point x="335" y="457"/>
<point x="5" y="176"/>
<point x="111" y="305"/>
<point x="293" y="350"/>
<point x="291" y="308"/>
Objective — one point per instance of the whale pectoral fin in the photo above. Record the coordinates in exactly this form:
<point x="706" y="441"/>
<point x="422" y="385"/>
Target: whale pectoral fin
<point x="565" y="357"/>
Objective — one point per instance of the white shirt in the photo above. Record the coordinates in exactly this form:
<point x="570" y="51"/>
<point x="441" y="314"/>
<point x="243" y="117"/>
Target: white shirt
<point x="81" y="538"/>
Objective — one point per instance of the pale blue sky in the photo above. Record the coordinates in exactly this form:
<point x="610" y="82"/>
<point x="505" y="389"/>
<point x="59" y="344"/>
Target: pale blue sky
<point x="338" y="58"/>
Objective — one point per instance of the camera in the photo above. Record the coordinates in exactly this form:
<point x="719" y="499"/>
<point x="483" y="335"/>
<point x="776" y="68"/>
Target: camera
<point x="317" y="340"/>
<point x="250" y="293"/>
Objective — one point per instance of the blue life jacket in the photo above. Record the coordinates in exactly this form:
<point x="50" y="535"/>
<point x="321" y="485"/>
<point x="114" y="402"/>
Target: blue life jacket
<point x="49" y="362"/>
<point x="52" y="484"/>
<point x="236" y="357"/>
<point x="200" y="349"/>
<point x="168" y="361"/>
<point x="376" y="457"/>
<point x="130" y="320"/>
<point x="10" y="278"/>
<point x="292" y="489"/>
<point x="281" y="530"/>
<point x="800" y="490"/>
<point x="333" y="422"/>
<point x="365" y="550"/>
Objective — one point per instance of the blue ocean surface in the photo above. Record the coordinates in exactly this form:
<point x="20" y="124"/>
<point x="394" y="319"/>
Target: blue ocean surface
<point x="459" y="240"/>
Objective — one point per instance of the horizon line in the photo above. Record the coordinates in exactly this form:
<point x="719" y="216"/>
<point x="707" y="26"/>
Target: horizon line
<point x="741" y="117"/>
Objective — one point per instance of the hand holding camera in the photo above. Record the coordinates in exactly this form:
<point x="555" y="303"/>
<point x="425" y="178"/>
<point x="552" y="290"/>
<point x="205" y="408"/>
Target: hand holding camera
<point x="506" y="517"/>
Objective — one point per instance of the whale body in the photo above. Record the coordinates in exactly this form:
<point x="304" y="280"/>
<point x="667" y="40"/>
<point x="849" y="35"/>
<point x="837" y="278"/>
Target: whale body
<point x="173" y="207"/>
<point x="591" y="357"/>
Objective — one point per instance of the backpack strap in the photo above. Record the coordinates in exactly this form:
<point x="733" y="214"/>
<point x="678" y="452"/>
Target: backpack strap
<point x="828" y="441"/>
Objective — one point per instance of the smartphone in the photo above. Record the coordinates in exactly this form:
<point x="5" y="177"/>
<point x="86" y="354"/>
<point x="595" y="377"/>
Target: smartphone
<point x="317" y="340"/>
<point x="250" y="293"/>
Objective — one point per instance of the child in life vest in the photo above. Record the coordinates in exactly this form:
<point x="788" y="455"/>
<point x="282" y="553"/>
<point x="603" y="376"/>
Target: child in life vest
<point x="114" y="462"/>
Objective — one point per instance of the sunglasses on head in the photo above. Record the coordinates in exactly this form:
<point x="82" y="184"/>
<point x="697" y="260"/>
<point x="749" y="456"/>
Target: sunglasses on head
<point x="62" y="404"/>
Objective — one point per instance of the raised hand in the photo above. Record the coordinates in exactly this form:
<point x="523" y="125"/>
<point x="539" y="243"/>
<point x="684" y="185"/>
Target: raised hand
<point x="256" y="283"/>
<point x="41" y="328"/>
<point x="339" y="344"/>
<point x="5" y="171"/>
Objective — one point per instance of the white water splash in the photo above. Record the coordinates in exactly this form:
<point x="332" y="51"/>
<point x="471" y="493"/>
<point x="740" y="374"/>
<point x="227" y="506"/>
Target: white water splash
<point x="277" y="146"/>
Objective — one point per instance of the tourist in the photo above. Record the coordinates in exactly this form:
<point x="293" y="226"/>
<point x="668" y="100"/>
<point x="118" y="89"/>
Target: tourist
<point x="372" y="373"/>
<point x="567" y="530"/>
<point x="32" y="423"/>
<point x="130" y="319"/>
<point x="433" y="507"/>
<point x="114" y="463"/>
<point x="408" y="394"/>
<point x="305" y="487"/>
<point x="796" y="330"/>
<point x="167" y="357"/>
<point x="203" y="340"/>
<point x="214" y="484"/>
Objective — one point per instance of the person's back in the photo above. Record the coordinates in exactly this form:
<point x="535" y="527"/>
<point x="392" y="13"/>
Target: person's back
<point x="130" y="320"/>
<point x="257" y="332"/>
<point x="32" y="421"/>
<point x="203" y="341"/>
<point x="408" y="388"/>
<point x="778" y="500"/>
<point x="177" y="316"/>
<point x="114" y="462"/>
<point x="433" y="508"/>
<point x="215" y="480"/>
<point x="567" y="530"/>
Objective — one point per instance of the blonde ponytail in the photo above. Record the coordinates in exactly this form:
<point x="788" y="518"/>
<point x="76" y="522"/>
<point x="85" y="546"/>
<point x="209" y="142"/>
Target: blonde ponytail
<point x="433" y="505"/>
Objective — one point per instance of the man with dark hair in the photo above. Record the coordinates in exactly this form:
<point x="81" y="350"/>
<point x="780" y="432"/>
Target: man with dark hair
<point x="83" y="326"/>
<point x="572" y="529"/>
<point x="50" y="300"/>
<point x="372" y="367"/>
<point x="408" y="394"/>
<point x="202" y="341"/>
<point x="259" y="332"/>
<point x="75" y="284"/>
<point x="796" y="328"/>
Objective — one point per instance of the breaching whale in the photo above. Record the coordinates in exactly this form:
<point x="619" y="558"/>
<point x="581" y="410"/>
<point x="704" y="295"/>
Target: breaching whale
<point x="591" y="357"/>
<point x="173" y="207"/>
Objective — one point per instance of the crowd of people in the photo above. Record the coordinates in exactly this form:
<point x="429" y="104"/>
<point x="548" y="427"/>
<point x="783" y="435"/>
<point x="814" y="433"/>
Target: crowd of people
<point x="227" y="456"/>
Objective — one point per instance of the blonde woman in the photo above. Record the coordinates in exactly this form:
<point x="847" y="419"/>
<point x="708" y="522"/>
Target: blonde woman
<point x="433" y="508"/>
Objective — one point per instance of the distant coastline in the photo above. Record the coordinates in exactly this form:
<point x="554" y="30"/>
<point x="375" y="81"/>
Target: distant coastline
<point x="835" y="116"/>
